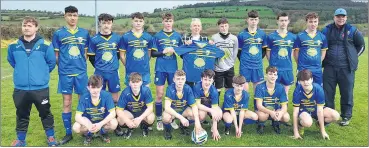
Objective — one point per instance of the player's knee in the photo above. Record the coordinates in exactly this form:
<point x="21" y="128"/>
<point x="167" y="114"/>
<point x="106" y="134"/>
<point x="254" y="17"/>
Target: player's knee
<point x="262" y="116"/>
<point x="286" y="117"/>
<point x="150" y="118"/>
<point x="253" y="116"/>
<point x="76" y="128"/>
<point x="166" y="118"/>
<point x="306" y="122"/>
<point x="113" y="124"/>
<point x="335" y="115"/>
<point x="227" y="118"/>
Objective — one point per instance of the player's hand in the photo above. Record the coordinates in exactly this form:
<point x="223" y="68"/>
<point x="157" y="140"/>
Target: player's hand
<point x="296" y="136"/>
<point x="198" y="130"/>
<point x="215" y="115"/>
<point x="95" y="128"/>
<point x="238" y="132"/>
<point x="131" y="124"/>
<point x="279" y="115"/>
<point x="216" y="135"/>
<point x="188" y="42"/>
<point x="211" y="42"/>
<point x="137" y="121"/>
<point x="273" y="114"/>
<point x="185" y="122"/>
<point x="325" y="136"/>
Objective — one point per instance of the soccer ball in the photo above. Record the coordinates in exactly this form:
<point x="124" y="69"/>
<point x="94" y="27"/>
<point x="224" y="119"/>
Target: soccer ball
<point x="200" y="138"/>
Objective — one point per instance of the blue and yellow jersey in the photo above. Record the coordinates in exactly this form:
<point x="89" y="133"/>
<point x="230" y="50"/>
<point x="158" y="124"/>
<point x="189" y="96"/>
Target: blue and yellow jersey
<point x="167" y="63"/>
<point x="71" y="45"/>
<point x="233" y="103"/>
<point x="95" y="112"/>
<point x="251" y="45"/>
<point x="310" y="50"/>
<point x="137" y="48"/>
<point x="209" y="99"/>
<point x="180" y="101"/>
<point x="197" y="57"/>
<point x="127" y="100"/>
<point x="281" y="47"/>
<point x="308" y="101"/>
<point x="272" y="99"/>
<point x="105" y="51"/>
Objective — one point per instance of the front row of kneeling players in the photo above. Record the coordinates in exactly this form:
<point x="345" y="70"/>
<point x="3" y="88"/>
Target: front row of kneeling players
<point x="97" y="114"/>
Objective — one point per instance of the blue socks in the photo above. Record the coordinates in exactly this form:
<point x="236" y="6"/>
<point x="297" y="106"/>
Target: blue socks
<point x="249" y="121"/>
<point x="167" y="126"/>
<point x="50" y="132"/>
<point x="67" y="120"/>
<point x="21" y="135"/>
<point x="158" y="109"/>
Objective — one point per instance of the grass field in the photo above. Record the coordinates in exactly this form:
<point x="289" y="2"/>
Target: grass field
<point x="354" y="135"/>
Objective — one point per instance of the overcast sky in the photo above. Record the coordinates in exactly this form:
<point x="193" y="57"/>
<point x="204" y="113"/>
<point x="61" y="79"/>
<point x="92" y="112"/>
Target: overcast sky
<point x="88" y="7"/>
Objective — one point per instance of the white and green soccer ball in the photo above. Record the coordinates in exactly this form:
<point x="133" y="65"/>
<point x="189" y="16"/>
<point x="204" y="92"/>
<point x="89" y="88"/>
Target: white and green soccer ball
<point x="199" y="138"/>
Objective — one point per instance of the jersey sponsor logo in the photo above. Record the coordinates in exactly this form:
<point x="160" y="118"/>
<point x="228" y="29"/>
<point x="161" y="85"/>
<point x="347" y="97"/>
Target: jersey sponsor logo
<point x="253" y="50"/>
<point x="312" y="52"/>
<point x="74" y="52"/>
<point x="283" y="53"/>
<point x="138" y="54"/>
<point x="199" y="63"/>
<point x="107" y="56"/>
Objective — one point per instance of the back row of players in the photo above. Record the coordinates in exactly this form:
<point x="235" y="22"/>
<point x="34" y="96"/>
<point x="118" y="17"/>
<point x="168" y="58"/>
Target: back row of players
<point x="189" y="102"/>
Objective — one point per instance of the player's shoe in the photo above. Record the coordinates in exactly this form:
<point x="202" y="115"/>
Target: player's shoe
<point x="105" y="137"/>
<point x="119" y="131"/>
<point x="276" y="127"/>
<point x="145" y="130"/>
<point x="159" y="125"/>
<point x="18" y="143"/>
<point x="88" y="140"/>
<point x="227" y="130"/>
<point x="174" y="125"/>
<point x="260" y="129"/>
<point x="51" y="141"/>
<point x="345" y="122"/>
<point x="128" y="133"/>
<point x="66" y="139"/>
<point x="184" y="130"/>
<point x="168" y="133"/>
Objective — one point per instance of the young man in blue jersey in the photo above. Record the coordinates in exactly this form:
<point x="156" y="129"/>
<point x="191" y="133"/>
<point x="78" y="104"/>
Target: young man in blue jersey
<point x="308" y="104"/>
<point x="95" y="113"/>
<point x="251" y="42"/>
<point x="135" y="52"/>
<point x="207" y="100"/>
<point x="279" y="52"/>
<point x="271" y="101"/>
<point x="180" y="103"/>
<point x="224" y="67"/>
<point x="71" y="43"/>
<point x="235" y="107"/>
<point x="311" y="46"/>
<point x="135" y="107"/>
<point x="102" y="54"/>
<point x="166" y="63"/>
<point x="32" y="59"/>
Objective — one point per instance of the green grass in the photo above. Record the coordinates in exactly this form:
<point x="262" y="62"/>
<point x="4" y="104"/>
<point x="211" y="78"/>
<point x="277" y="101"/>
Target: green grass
<point x="353" y="135"/>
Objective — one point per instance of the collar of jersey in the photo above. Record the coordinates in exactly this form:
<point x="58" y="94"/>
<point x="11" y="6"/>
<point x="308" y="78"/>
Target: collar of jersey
<point x="71" y="31"/>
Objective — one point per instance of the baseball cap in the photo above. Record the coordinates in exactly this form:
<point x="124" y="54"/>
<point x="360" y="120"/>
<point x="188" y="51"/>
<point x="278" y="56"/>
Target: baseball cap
<point x="340" y="11"/>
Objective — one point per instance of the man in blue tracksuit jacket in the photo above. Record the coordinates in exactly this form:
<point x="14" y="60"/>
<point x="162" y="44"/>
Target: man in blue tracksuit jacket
<point x="33" y="59"/>
<point x="345" y="45"/>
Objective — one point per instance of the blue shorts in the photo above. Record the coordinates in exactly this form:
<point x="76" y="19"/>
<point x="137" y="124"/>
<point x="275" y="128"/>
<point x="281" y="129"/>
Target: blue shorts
<point x="253" y="75"/>
<point x="67" y="83"/>
<point x="137" y="114"/>
<point x="145" y="79"/>
<point x="110" y="79"/>
<point x="285" y="77"/>
<point x="313" y="114"/>
<point x="160" y="78"/>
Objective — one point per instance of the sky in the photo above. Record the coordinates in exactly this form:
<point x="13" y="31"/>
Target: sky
<point x="88" y="7"/>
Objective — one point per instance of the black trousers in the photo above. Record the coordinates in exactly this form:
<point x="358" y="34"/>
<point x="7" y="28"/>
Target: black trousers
<point x="345" y="79"/>
<point x="23" y="100"/>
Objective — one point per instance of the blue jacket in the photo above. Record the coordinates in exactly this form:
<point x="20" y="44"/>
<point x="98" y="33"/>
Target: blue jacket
<point x="353" y="43"/>
<point x="31" y="71"/>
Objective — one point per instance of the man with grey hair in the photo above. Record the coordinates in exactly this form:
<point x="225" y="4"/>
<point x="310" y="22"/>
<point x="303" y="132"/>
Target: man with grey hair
<point x="224" y="67"/>
<point x="345" y="45"/>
